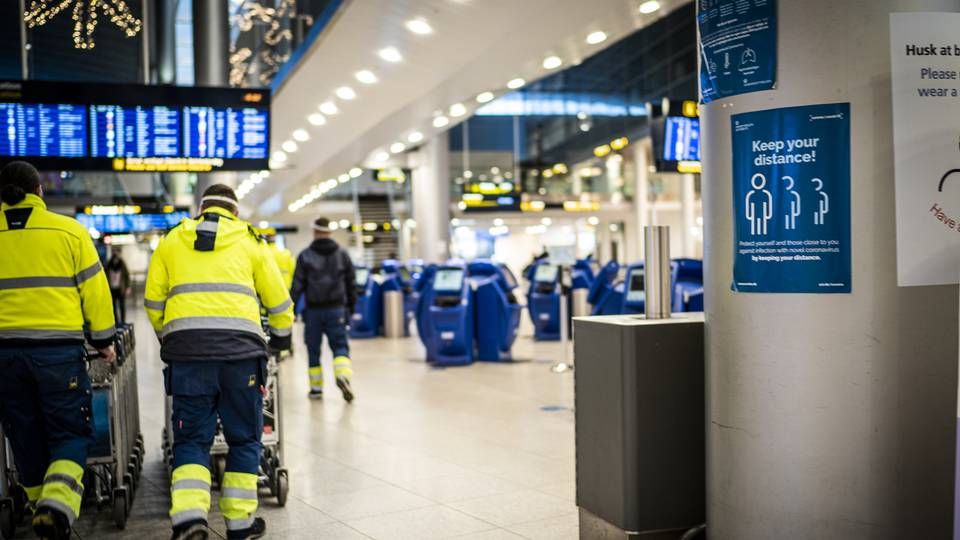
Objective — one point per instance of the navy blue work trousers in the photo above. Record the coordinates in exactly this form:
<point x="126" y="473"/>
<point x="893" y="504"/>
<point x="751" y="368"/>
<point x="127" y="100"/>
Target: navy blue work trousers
<point x="330" y="322"/>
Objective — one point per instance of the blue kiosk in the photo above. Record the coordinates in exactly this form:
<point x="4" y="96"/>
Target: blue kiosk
<point x="368" y="311"/>
<point x="395" y="276"/>
<point x="543" y="301"/>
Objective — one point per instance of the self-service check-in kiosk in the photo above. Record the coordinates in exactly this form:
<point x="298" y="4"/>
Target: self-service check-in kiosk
<point x="688" y="286"/>
<point x="543" y="302"/>
<point x="496" y="311"/>
<point x="368" y="312"/>
<point x="447" y="324"/>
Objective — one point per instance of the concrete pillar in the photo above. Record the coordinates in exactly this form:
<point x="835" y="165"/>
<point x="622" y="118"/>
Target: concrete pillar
<point x="642" y="157"/>
<point x="431" y="199"/>
<point x="165" y="30"/>
<point x="688" y="205"/>
<point x="830" y="416"/>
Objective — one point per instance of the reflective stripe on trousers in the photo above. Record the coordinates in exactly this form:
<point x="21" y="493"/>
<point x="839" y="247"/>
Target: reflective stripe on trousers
<point x="238" y="501"/>
<point x="316" y="378"/>
<point x="189" y="494"/>
<point x="342" y="367"/>
<point x="62" y="489"/>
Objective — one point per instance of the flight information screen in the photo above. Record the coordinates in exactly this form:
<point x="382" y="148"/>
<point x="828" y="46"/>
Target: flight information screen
<point x="681" y="139"/>
<point x="131" y="223"/>
<point x="71" y="126"/>
<point x="42" y="130"/>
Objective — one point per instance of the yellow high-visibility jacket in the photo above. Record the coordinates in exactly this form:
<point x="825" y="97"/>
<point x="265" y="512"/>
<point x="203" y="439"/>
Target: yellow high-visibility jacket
<point x="52" y="286"/>
<point x="285" y="263"/>
<point x="206" y="282"/>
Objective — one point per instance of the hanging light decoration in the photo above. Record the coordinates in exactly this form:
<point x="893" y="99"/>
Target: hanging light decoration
<point x="86" y="14"/>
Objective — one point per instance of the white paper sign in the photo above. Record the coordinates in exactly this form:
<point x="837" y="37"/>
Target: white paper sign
<point x="925" y="75"/>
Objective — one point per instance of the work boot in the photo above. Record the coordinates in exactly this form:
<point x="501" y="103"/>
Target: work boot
<point x="257" y="530"/>
<point x="50" y="524"/>
<point x="196" y="530"/>
<point x="343" y="384"/>
<point x="315" y="395"/>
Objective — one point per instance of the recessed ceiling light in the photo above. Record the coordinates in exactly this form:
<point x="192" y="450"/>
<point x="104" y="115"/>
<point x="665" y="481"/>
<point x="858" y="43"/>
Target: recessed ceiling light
<point x="279" y="156"/>
<point x="596" y="37"/>
<point x="440" y="121"/>
<point x="414" y="137"/>
<point x="457" y="110"/>
<point x="355" y="172"/>
<point x="329" y="108"/>
<point x="289" y="146"/>
<point x="365" y="76"/>
<point x="516" y="83"/>
<point x="419" y="26"/>
<point x="317" y="119"/>
<point x="344" y="178"/>
<point x="397" y="147"/>
<point x="552" y="62"/>
<point x="346" y="93"/>
<point x="301" y="135"/>
<point x="390" y="54"/>
<point x="381" y="157"/>
<point x="485" y="97"/>
<point x="649" y="7"/>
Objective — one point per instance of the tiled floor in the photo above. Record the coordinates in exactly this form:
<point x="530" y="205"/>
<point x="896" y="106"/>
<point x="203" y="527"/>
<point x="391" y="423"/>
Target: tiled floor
<point x="480" y="452"/>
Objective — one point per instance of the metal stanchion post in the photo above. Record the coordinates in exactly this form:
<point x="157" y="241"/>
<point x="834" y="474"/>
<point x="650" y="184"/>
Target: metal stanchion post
<point x="657" y="282"/>
<point x="565" y="364"/>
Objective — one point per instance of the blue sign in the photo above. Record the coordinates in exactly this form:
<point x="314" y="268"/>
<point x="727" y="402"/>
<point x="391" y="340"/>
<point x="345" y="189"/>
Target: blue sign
<point x="791" y="200"/>
<point x="41" y="130"/>
<point x="141" y="132"/>
<point x="681" y="139"/>
<point x="738" y="47"/>
<point x="234" y="133"/>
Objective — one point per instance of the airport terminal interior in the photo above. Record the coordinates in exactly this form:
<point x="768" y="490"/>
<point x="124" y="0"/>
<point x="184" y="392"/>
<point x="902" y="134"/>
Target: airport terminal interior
<point x="595" y="269"/>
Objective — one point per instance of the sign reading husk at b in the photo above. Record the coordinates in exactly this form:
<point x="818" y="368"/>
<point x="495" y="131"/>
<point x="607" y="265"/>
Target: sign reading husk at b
<point x="925" y="75"/>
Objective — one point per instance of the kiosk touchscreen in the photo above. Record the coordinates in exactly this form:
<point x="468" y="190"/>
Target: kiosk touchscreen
<point x="448" y="280"/>
<point x="546" y="273"/>
<point x="635" y="291"/>
<point x="362" y="274"/>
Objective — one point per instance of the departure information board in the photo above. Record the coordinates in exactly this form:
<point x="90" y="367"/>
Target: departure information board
<point x="681" y="139"/>
<point x="67" y="126"/>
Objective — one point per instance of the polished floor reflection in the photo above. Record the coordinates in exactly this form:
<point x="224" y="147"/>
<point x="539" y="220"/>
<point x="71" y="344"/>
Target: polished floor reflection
<point x="480" y="452"/>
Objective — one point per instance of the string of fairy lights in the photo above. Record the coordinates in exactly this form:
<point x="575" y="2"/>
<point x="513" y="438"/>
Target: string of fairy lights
<point x="85" y="14"/>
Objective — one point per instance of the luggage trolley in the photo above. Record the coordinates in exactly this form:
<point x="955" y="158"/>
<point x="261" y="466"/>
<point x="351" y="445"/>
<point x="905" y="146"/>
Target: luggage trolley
<point x="272" y="474"/>
<point x="115" y="460"/>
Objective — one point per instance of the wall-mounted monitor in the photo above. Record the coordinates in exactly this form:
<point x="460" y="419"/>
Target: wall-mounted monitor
<point x="113" y="127"/>
<point x="448" y="280"/>
<point x="130" y="219"/>
<point x="676" y="143"/>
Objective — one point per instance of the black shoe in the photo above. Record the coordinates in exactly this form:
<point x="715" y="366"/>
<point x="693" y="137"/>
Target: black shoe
<point x="343" y="384"/>
<point x="50" y="524"/>
<point x="315" y="394"/>
<point x="257" y="530"/>
<point x="191" y="531"/>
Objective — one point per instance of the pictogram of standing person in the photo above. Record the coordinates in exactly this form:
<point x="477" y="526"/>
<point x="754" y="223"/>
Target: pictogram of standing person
<point x="759" y="205"/>
<point x="790" y="218"/>
<point x="824" y="202"/>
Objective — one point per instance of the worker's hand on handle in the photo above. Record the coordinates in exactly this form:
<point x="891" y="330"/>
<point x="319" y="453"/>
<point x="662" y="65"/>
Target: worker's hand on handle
<point x="109" y="354"/>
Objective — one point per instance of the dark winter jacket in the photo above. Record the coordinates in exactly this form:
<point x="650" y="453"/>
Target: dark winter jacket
<point x="325" y="275"/>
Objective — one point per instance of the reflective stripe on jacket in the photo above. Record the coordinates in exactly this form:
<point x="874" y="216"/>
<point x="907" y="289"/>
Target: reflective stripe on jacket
<point x="206" y="282"/>
<point x="52" y="286"/>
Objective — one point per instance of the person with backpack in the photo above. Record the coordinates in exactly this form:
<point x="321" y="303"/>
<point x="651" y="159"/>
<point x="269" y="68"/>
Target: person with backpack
<point x="118" y="276"/>
<point x="325" y="276"/>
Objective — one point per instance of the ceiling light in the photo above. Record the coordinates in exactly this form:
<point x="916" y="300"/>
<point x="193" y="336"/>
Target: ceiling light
<point x="397" y="147"/>
<point x="597" y="37"/>
<point x="329" y="108"/>
<point x="279" y="156"/>
<point x="419" y="26"/>
<point x="289" y="146"/>
<point x="344" y="178"/>
<point x="380" y="157"/>
<point x="457" y="110"/>
<point x="301" y="135"/>
<point x="649" y="7"/>
<point x="552" y="62"/>
<point x="485" y="97"/>
<point x="516" y="83"/>
<point x="346" y="93"/>
<point x="365" y="76"/>
<point x="317" y="119"/>
<point x="440" y="121"/>
<point x="414" y="137"/>
<point x="355" y="172"/>
<point x="390" y="54"/>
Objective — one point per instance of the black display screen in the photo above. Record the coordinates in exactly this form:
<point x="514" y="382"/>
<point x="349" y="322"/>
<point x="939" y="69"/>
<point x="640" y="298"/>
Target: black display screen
<point x="111" y="127"/>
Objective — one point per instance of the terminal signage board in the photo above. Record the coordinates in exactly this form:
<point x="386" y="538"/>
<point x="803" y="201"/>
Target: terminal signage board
<point x="925" y="79"/>
<point x="110" y="127"/>
<point x="738" y="47"/>
<point x="791" y="200"/>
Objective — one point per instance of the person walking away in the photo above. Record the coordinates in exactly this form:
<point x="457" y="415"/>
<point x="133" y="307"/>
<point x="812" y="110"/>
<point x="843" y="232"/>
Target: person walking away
<point x="52" y="287"/>
<point x="202" y="292"/>
<point x="118" y="276"/>
<point x="325" y="275"/>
